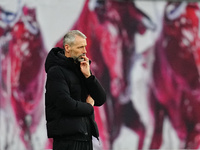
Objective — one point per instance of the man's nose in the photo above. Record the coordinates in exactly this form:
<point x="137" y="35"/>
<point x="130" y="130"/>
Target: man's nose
<point x="84" y="50"/>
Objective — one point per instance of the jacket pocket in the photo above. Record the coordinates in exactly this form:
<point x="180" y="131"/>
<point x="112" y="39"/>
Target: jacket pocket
<point x="71" y="126"/>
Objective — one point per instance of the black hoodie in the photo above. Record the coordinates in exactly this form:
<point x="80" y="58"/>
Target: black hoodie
<point x="67" y="113"/>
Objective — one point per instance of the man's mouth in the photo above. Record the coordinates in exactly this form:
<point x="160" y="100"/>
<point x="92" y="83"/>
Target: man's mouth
<point x="80" y="59"/>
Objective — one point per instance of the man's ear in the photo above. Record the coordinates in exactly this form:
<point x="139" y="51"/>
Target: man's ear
<point x="67" y="48"/>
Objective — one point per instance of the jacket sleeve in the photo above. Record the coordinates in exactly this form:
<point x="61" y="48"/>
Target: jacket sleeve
<point x="96" y="91"/>
<point x="58" y="94"/>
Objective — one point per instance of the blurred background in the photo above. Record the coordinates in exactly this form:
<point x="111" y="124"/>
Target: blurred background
<point x="145" y="53"/>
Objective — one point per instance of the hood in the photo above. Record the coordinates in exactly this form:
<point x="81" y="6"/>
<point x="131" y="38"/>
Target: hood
<point x="56" y="57"/>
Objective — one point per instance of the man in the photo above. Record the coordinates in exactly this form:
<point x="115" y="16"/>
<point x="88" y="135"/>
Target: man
<point x="71" y="93"/>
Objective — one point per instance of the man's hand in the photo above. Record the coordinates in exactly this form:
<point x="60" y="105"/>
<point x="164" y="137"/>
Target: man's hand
<point x="90" y="100"/>
<point x="85" y="67"/>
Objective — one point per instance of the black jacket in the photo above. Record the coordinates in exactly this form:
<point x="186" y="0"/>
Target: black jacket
<point x="67" y="113"/>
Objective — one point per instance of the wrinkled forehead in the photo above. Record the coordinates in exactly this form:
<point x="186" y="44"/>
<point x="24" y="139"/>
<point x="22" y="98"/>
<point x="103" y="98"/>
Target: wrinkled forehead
<point x="80" y="41"/>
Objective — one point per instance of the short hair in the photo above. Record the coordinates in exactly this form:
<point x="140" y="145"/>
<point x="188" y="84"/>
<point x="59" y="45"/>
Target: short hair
<point x="70" y="36"/>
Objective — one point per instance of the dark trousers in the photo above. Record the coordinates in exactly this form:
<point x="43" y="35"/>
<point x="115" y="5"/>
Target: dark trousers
<point x="60" y="144"/>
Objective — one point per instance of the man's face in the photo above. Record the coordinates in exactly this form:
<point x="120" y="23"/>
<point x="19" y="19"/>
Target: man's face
<point x="78" y="48"/>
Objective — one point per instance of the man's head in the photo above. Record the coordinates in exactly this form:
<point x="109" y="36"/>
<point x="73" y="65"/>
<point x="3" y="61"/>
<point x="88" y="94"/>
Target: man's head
<point x="74" y="43"/>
